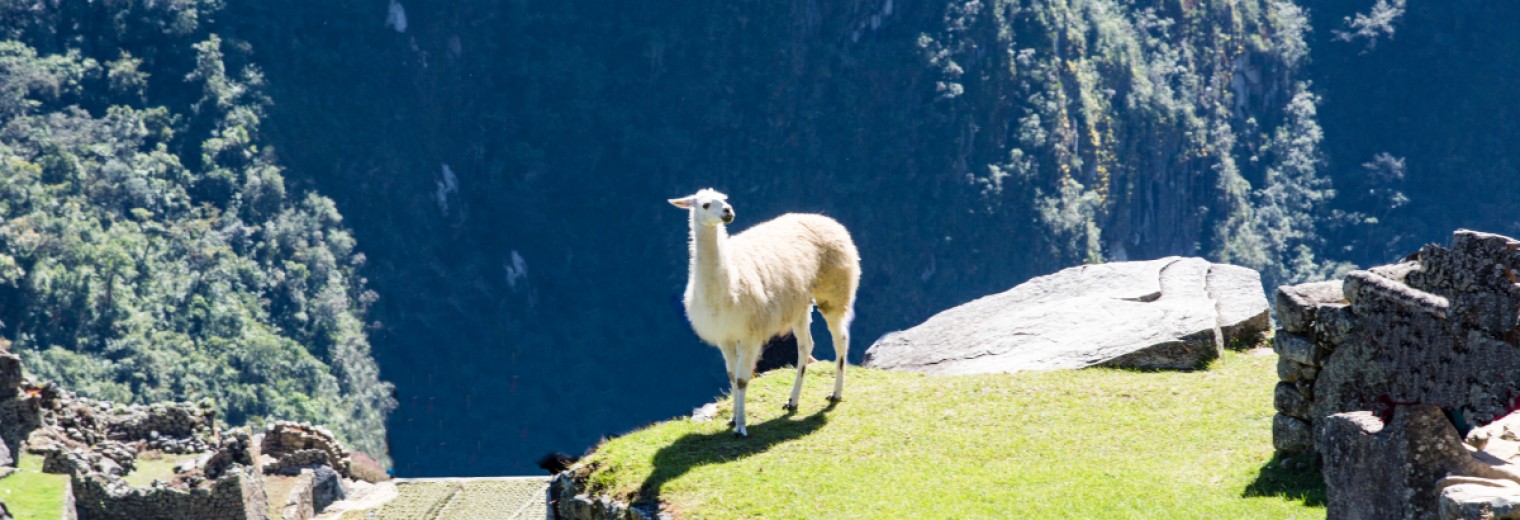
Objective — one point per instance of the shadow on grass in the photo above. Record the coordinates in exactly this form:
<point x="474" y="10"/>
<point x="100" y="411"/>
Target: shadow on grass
<point x="694" y="450"/>
<point x="1303" y="483"/>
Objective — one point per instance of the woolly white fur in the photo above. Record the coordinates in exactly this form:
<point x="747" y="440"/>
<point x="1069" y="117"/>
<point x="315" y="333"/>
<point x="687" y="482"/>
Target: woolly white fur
<point x="763" y="282"/>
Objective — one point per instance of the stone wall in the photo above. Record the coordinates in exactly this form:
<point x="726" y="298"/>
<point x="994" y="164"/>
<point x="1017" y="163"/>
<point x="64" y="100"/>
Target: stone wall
<point x="20" y="410"/>
<point x="296" y="445"/>
<point x="1438" y="333"/>
<point x="1301" y="350"/>
<point x="237" y="495"/>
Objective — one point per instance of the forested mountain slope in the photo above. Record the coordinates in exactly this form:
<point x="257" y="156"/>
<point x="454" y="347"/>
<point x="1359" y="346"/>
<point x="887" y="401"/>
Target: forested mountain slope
<point x="150" y="249"/>
<point x="505" y="166"/>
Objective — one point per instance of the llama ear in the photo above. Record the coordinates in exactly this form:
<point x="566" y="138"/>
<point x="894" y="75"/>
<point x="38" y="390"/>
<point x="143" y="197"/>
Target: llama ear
<point x="683" y="202"/>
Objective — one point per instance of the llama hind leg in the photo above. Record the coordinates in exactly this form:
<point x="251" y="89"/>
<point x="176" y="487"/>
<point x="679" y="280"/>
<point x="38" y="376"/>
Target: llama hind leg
<point x="804" y="334"/>
<point x="839" y="325"/>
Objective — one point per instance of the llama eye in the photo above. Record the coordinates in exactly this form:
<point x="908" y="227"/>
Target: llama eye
<point x="706" y="204"/>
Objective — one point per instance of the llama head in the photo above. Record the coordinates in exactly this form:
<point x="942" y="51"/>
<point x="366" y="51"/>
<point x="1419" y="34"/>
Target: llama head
<point x="708" y="207"/>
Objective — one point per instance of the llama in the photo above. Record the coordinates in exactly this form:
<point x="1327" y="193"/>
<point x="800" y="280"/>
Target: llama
<point x="763" y="283"/>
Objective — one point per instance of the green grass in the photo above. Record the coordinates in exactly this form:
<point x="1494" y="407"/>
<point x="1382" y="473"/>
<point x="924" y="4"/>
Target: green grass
<point x="1097" y="443"/>
<point x="152" y="466"/>
<point x="31" y="494"/>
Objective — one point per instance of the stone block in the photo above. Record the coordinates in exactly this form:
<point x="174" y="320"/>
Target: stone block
<point x="1287" y="370"/>
<point x="1375" y="471"/>
<point x="1244" y="315"/>
<point x="1290" y="402"/>
<point x="1296" y="305"/>
<point x="1492" y="501"/>
<point x="1291" y="435"/>
<point x="1296" y="348"/>
<point x="1333" y="324"/>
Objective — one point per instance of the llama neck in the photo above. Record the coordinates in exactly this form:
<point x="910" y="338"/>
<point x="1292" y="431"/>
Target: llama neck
<point x="709" y="259"/>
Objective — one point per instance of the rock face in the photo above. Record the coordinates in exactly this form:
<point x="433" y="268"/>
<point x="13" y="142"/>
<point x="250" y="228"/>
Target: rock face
<point x="1172" y="313"/>
<point x="569" y="499"/>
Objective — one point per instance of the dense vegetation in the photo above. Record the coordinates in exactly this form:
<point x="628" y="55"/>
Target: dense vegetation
<point x="149" y="246"/>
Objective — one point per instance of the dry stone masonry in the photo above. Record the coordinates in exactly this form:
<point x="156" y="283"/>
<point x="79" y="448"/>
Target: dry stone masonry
<point x="224" y="474"/>
<point x="1384" y="371"/>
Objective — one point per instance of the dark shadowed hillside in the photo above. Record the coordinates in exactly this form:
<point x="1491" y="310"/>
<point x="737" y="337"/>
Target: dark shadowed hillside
<point x="188" y="185"/>
<point x="1434" y="92"/>
<point x="505" y="166"/>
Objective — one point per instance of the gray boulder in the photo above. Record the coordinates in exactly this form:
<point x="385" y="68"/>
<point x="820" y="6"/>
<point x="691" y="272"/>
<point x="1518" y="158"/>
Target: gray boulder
<point x="1172" y="313"/>
<point x="326" y="488"/>
<point x="1291" y="435"/>
<point x="1498" y="500"/>
<point x="1243" y="312"/>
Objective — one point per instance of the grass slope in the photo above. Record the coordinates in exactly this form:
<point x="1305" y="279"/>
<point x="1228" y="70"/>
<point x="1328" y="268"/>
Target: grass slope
<point x="1097" y="443"/>
<point x="155" y="465"/>
<point x="31" y="494"/>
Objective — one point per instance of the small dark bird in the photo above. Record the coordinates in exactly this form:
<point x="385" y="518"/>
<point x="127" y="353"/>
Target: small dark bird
<point x="556" y="462"/>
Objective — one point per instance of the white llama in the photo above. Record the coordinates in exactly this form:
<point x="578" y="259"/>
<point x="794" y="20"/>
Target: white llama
<point x="763" y="283"/>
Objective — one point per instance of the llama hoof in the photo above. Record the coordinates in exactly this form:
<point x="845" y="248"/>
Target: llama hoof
<point x="835" y="398"/>
<point x="740" y="435"/>
<point x="790" y="407"/>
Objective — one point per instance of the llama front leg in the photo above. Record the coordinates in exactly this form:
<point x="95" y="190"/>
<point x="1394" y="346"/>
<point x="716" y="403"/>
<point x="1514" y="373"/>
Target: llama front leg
<point x="804" y="334"/>
<point x="744" y="365"/>
<point x="730" y="363"/>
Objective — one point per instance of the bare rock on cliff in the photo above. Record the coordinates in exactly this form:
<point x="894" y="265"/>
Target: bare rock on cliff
<point x="1172" y="313"/>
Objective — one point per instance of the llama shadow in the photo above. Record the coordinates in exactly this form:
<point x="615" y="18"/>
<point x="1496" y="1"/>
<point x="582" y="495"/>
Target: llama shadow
<point x="1304" y="483"/>
<point x="694" y="450"/>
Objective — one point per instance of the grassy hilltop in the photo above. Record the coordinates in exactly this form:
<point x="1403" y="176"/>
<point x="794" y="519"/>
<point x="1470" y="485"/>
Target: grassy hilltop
<point x="1099" y="443"/>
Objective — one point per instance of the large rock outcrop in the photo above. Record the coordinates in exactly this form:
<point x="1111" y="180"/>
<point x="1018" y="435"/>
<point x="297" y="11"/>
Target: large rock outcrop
<point x="1172" y="313"/>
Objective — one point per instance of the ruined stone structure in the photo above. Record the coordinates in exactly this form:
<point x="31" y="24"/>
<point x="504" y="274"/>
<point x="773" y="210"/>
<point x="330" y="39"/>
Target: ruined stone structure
<point x="298" y="445"/>
<point x="1381" y="373"/>
<point x="224" y="475"/>
<point x="238" y="493"/>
